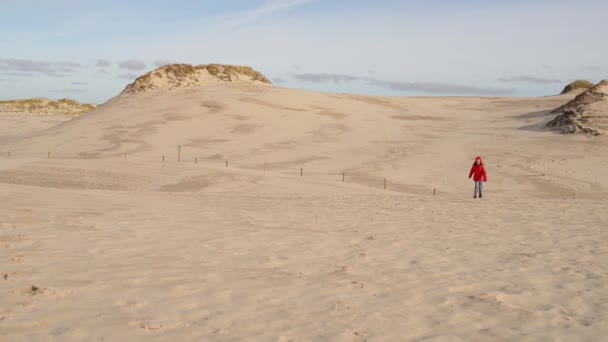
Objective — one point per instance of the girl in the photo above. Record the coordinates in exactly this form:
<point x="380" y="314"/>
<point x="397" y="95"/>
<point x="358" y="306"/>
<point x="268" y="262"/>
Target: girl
<point x="478" y="172"/>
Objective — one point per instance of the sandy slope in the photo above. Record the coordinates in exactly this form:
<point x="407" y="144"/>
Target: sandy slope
<point x="18" y="124"/>
<point x="138" y="249"/>
<point x="421" y="143"/>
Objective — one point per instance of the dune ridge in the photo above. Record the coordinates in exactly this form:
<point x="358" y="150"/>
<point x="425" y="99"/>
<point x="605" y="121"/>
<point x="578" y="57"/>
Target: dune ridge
<point x="586" y="113"/>
<point x="179" y="76"/>
<point x="101" y="239"/>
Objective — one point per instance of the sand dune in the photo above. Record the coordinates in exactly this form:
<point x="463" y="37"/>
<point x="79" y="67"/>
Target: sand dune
<point x="97" y="244"/>
<point x="416" y="142"/>
<point x="586" y="113"/>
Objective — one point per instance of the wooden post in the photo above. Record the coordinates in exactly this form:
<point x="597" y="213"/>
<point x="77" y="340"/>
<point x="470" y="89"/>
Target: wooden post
<point x="226" y="163"/>
<point x="163" y="158"/>
<point x="195" y="160"/>
<point x="434" y="192"/>
<point x="301" y="172"/>
<point x="342" y="177"/>
<point x="125" y="155"/>
<point x="384" y="183"/>
<point x="264" y="167"/>
<point x="48" y="156"/>
<point x="179" y="153"/>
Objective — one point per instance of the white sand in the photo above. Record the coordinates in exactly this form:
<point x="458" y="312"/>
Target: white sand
<point x="145" y="250"/>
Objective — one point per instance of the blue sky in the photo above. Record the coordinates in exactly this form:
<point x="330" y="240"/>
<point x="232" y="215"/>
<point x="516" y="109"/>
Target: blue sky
<point x="90" y="50"/>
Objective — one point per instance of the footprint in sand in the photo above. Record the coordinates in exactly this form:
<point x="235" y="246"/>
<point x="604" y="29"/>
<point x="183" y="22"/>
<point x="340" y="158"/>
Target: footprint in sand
<point x="342" y="270"/>
<point x="4" y="315"/>
<point x="17" y="259"/>
<point x="358" y="284"/>
<point x="39" y="291"/>
<point x="341" y="306"/>
<point x="151" y="326"/>
<point x="360" y="335"/>
<point x="370" y="238"/>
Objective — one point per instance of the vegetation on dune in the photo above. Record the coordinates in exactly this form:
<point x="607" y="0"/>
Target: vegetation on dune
<point x="586" y="113"/>
<point x="46" y="106"/>
<point x="223" y="72"/>
<point x="576" y="85"/>
<point x="177" y="76"/>
<point x="588" y="96"/>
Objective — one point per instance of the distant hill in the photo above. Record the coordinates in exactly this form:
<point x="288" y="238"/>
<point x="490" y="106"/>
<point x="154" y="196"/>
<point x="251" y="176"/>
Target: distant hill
<point x="178" y="76"/>
<point x="586" y="113"/>
<point x="577" y="86"/>
<point x="43" y="106"/>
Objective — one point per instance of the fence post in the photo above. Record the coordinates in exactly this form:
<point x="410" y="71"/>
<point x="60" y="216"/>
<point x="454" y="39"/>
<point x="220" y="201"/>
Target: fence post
<point x="163" y="158"/>
<point x="48" y="156"/>
<point x="301" y="172"/>
<point x="384" y="183"/>
<point x="179" y="153"/>
<point x="195" y="160"/>
<point x="264" y="167"/>
<point x="434" y="192"/>
<point x="342" y="177"/>
<point x="226" y="163"/>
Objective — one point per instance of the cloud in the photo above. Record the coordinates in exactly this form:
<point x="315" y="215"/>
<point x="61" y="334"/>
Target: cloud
<point x="529" y="79"/>
<point x="128" y="76"/>
<point x="132" y="64"/>
<point x="103" y="71"/>
<point x="161" y="62"/>
<point x="6" y="80"/>
<point x="593" y="68"/>
<point x="419" y="87"/>
<point x="70" y="64"/>
<point x="66" y="70"/>
<point x="323" y="78"/>
<point x="28" y="67"/>
<point x="297" y="67"/>
<point x="441" y="88"/>
<point x="78" y="83"/>
<point x="16" y="73"/>
<point x="278" y="80"/>
<point x="69" y="90"/>
<point x="103" y="63"/>
<point x="266" y="9"/>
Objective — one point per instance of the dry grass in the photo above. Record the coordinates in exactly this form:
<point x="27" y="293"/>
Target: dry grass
<point x="578" y="84"/>
<point x="186" y="75"/>
<point x="46" y="106"/>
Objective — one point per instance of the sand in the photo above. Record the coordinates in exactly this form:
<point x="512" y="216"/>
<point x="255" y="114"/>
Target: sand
<point x="105" y="248"/>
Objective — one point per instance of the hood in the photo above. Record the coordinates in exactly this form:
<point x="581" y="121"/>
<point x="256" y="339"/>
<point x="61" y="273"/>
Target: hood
<point x="480" y="159"/>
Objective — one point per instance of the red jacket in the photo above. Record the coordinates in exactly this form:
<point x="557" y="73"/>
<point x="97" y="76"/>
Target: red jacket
<point x="478" y="171"/>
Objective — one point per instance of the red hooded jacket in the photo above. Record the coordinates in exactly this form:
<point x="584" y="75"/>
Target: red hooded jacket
<point x="478" y="171"/>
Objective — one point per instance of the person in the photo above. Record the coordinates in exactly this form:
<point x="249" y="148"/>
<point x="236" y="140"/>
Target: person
<point x="479" y="174"/>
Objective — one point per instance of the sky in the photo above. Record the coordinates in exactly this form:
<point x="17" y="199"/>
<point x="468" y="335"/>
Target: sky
<point x="90" y="50"/>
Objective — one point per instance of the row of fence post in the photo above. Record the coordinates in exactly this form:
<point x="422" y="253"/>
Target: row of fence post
<point x="85" y="154"/>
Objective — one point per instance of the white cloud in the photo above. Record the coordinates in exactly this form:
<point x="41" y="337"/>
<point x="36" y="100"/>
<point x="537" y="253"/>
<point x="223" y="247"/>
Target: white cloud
<point x="268" y="8"/>
<point x="132" y="64"/>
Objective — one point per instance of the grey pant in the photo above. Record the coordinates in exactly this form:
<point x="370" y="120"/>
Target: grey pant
<point x="478" y="188"/>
